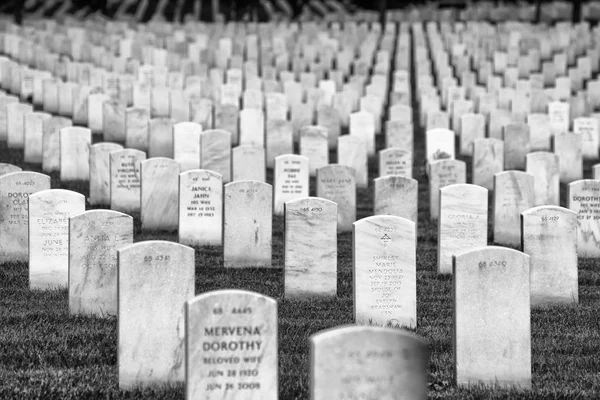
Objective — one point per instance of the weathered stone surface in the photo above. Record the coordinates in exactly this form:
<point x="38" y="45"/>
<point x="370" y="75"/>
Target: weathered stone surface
<point x="291" y="180"/>
<point x="310" y="248"/>
<point x="568" y="147"/>
<point x="155" y="279"/>
<point x="250" y="321"/>
<point x="550" y="240"/>
<point x="15" y="188"/>
<point x="492" y="328"/>
<point x="15" y="125"/>
<point x="385" y="271"/>
<point x="159" y="193"/>
<point x="395" y="161"/>
<point x="100" y="172"/>
<point x="353" y="153"/>
<point x="441" y="174"/>
<point x="368" y="362"/>
<point x="160" y="139"/>
<point x="51" y="142"/>
<point x="516" y="145"/>
<point x="439" y="144"/>
<point x="186" y="145"/>
<point x="463" y="223"/>
<point x="215" y="152"/>
<point x="8" y="168"/>
<point x="544" y="167"/>
<point x="583" y="197"/>
<point x="513" y="194"/>
<point x="136" y="129"/>
<point x="125" y="180"/>
<point x="336" y="183"/>
<point x="488" y="160"/>
<point x="248" y="163"/>
<point x="115" y="121"/>
<point x="313" y="145"/>
<point x="200" y="208"/>
<point x="247" y="224"/>
<point x="49" y="213"/>
<point x="33" y="136"/>
<point x="279" y="140"/>
<point x="396" y="195"/>
<point x="74" y="147"/>
<point x="94" y="238"/>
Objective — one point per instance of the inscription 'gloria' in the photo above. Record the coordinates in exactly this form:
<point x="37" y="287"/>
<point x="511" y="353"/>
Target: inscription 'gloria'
<point x="232" y="331"/>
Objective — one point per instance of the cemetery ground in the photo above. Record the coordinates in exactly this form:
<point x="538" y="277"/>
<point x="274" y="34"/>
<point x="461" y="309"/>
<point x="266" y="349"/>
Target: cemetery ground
<point x="45" y="353"/>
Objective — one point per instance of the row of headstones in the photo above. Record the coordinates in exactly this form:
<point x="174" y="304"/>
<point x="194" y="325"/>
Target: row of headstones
<point x="524" y="87"/>
<point x="492" y="315"/>
<point x="232" y="91"/>
<point x="44" y="235"/>
<point x="39" y="134"/>
<point x="522" y="105"/>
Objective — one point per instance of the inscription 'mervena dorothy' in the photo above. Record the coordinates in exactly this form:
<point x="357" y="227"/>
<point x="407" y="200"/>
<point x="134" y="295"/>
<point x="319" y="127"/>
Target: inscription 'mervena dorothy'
<point x="231" y="346"/>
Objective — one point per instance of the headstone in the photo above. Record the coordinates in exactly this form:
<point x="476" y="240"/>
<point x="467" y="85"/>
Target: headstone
<point x="336" y="183"/>
<point x="588" y="129"/>
<point x="279" y="140"/>
<point x="95" y="109"/>
<point x="51" y="142"/>
<point x="516" y="145"/>
<point x="313" y="145"/>
<point x="569" y="149"/>
<point x="247" y="224"/>
<point x="439" y="144"/>
<point x="395" y="161"/>
<point x="248" y="163"/>
<point x="353" y="153"/>
<point x="94" y="238"/>
<point x="4" y="101"/>
<point x="540" y="132"/>
<point x="385" y="271"/>
<point x="362" y="124"/>
<point x="544" y="167"/>
<point x="441" y="174"/>
<point x="513" y="194"/>
<point x="367" y="362"/>
<point x="136" y="130"/>
<point x="159" y="141"/>
<point x="125" y="180"/>
<point x="159" y="193"/>
<point x="291" y="180"/>
<point x="310" y="268"/>
<point x="472" y="128"/>
<point x="100" y="172"/>
<point x="396" y="195"/>
<point x="33" y="136"/>
<point x="153" y="356"/>
<point x="550" y="240"/>
<point x="252" y="129"/>
<point x="15" y="124"/>
<point x="583" y="197"/>
<point x="399" y="134"/>
<point x="492" y="318"/>
<point x="488" y="160"/>
<point x="74" y="147"/>
<point x="116" y="120"/>
<point x="250" y="322"/>
<point x="200" y="208"/>
<point x="558" y="115"/>
<point x="186" y="145"/>
<point x="49" y="213"/>
<point x="227" y="118"/>
<point x="463" y="223"/>
<point x="8" y="168"/>
<point x="215" y="152"/>
<point x="15" y="188"/>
